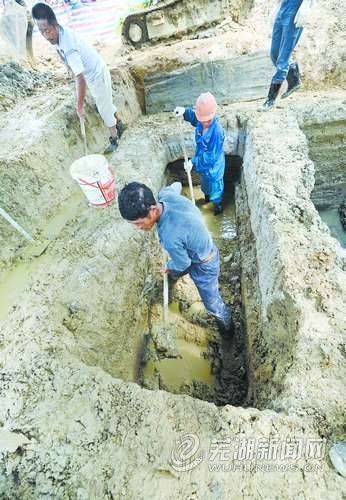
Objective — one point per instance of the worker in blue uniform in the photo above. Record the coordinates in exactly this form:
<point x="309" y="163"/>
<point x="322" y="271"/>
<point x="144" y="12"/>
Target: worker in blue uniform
<point x="184" y="235"/>
<point x="209" y="158"/>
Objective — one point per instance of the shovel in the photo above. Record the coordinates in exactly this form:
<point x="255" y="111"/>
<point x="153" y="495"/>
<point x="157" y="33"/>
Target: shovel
<point x="82" y="129"/>
<point x="164" y="334"/>
<point x="186" y="159"/>
<point x="165" y="294"/>
<point x="37" y="248"/>
<point x="15" y="224"/>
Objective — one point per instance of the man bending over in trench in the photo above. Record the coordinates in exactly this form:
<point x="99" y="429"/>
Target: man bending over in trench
<point x="87" y="67"/>
<point x="290" y="19"/>
<point x="184" y="236"/>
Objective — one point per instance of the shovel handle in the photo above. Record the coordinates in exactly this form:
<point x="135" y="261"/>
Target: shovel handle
<point x="15" y="224"/>
<point x="191" y="187"/>
<point x="186" y="159"/>
<point x="82" y="129"/>
<point x="165" y="289"/>
<point x="165" y="298"/>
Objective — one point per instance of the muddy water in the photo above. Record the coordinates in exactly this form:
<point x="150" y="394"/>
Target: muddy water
<point x="206" y="366"/>
<point x="189" y="366"/>
<point x="190" y="363"/>
<point x="222" y="226"/>
<point x="331" y="217"/>
<point x="14" y="281"/>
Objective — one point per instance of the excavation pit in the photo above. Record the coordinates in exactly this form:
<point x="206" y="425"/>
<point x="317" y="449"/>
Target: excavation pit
<point x="72" y="340"/>
<point x="205" y="366"/>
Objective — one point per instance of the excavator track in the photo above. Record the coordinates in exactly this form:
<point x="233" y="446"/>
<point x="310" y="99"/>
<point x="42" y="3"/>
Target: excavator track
<point x="175" y="18"/>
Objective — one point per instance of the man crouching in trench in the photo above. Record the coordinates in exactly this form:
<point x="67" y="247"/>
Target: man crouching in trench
<point x="184" y="235"/>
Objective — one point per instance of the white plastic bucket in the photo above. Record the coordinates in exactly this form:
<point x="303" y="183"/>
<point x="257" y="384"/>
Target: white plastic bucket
<point x="95" y="179"/>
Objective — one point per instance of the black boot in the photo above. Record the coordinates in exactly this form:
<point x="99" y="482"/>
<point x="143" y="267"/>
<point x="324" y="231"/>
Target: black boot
<point x="218" y="208"/>
<point x="121" y="127"/>
<point x="272" y="95"/>
<point x="293" y="80"/>
<point x="226" y="331"/>
<point x="112" y="146"/>
<point x="206" y="198"/>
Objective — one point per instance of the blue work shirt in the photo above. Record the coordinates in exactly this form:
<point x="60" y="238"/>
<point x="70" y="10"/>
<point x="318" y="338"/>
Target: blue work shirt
<point x="181" y="229"/>
<point x="209" y="159"/>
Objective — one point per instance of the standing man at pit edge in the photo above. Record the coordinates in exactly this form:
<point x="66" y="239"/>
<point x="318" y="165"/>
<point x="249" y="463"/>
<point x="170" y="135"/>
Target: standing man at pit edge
<point x="184" y="235"/>
<point x="87" y="67"/>
<point x="290" y="19"/>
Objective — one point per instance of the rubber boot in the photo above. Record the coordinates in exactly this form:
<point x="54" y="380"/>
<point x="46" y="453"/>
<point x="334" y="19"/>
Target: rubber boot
<point x="121" y="127"/>
<point x="112" y="146"/>
<point x="272" y="95"/>
<point x="218" y="208"/>
<point x="226" y="331"/>
<point x="293" y="80"/>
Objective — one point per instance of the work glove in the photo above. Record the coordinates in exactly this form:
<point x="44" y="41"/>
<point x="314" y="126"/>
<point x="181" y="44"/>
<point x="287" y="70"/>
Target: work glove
<point x="179" y="111"/>
<point x="303" y="14"/>
<point x="188" y="166"/>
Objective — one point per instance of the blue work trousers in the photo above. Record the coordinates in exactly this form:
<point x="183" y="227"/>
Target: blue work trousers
<point x="284" y="39"/>
<point x="214" y="189"/>
<point x="205" y="275"/>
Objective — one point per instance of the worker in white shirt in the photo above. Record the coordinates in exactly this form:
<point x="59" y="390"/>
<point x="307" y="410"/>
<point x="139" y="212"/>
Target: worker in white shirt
<point x="88" y="69"/>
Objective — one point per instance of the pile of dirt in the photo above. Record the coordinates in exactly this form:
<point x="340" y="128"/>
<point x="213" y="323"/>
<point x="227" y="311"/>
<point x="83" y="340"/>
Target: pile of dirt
<point x="17" y="82"/>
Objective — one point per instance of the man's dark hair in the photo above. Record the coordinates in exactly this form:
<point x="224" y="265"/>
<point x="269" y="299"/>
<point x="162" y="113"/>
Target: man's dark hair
<point x="42" y="11"/>
<point x="135" y="200"/>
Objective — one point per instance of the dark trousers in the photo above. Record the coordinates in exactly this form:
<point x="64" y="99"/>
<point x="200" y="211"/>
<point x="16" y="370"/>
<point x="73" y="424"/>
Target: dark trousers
<point x="205" y="276"/>
<point x="285" y="37"/>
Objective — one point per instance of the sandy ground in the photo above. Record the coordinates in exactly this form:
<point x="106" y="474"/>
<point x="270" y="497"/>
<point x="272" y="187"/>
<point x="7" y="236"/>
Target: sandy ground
<point x="67" y="406"/>
<point x="72" y="422"/>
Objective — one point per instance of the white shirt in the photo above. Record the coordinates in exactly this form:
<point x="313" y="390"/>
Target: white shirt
<point x="79" y="55"/>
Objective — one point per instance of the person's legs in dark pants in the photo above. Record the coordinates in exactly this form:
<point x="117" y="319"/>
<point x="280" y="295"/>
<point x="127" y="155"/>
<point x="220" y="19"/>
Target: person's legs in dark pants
<point x="216" y="195"/>
<point x="284" y="39"/>
<point x="293" y="74"/>
<point x="206" y="278"/>
<point x="213" y="191"/>
<point x="205" y="187"/>
<point x="276" y="41"/>
<point x="290" y="38"/>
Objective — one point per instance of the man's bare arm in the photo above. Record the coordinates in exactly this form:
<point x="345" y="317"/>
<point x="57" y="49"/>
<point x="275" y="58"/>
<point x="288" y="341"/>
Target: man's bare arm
<point x="80" y="91"/>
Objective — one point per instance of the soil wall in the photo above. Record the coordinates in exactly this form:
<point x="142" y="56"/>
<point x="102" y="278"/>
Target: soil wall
<point x="69" y="428"/>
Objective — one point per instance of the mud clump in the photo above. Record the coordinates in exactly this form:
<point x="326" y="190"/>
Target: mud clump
<point x="16" y="82"/>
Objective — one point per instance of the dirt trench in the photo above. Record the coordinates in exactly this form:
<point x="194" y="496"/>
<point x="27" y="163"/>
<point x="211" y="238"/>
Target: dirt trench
<point x="72" y="339"/>
<point x="197" y="361"/>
